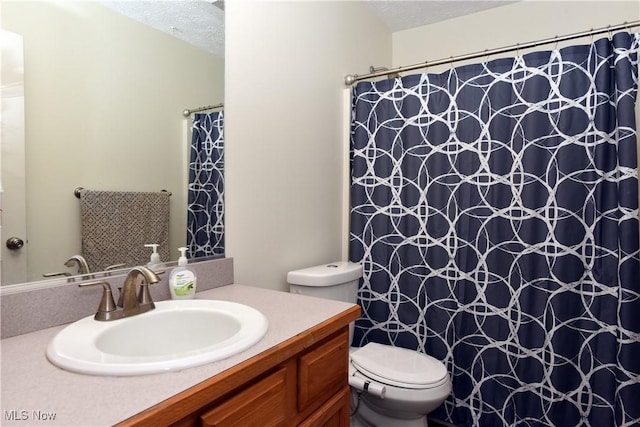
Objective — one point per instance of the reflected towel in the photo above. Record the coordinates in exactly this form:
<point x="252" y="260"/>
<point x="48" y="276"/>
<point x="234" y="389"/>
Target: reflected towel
<point x="117" y="224"/>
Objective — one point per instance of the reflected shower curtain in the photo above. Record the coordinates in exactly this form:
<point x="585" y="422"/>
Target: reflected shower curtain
<point x="495" y="212"/>
<point x="205" y="212"/>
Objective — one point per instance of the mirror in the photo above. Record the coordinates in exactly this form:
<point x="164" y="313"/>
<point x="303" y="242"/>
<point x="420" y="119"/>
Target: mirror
<point x="104" y="96"/>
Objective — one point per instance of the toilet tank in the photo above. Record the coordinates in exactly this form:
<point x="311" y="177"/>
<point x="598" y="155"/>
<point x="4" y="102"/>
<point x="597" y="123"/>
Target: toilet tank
<point x="337" y="281"/>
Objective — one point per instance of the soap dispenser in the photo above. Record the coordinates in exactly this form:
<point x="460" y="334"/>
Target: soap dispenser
<point x="155" y="256"/>
<point x="182" y="281"/>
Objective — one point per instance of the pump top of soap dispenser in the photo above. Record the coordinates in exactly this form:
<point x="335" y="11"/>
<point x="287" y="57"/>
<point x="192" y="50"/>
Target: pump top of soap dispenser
<point x="182" y="261"/>
<point x="155" y="256"/>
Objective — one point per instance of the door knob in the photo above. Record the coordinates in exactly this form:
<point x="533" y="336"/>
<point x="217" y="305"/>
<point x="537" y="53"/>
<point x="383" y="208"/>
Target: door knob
<point x="15" y="243"/>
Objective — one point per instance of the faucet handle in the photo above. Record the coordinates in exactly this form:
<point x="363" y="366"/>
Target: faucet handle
<point x="115" y="266"/>
<point x="107" y="306"/>
<point x="59" y="273"/>
<point x="144" y="297"/>
<point x="108" y="269"/>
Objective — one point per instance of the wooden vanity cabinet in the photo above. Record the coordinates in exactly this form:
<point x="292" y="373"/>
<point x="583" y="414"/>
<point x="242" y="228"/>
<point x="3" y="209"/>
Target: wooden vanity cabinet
<point x="296" y="391"/>
<point x="302" y="382"/>
<point x="270" y="401"/>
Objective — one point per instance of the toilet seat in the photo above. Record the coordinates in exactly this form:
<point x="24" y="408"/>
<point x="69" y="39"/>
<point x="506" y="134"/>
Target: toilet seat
<point x="399" y="367"/>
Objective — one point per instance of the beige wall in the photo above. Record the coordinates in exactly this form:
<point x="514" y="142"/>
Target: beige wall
<point x="104" y="97"/>
<point x="521" y="22"/>
<point x="285" y="68"/>
<point x="285" y="65"/>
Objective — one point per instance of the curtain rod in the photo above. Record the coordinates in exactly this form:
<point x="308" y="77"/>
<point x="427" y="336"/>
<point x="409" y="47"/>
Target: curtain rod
<point x="187" y="112"/>
<point x="352" y="78"/>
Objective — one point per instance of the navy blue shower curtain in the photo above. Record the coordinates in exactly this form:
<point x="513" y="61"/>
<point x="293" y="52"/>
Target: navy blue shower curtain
<point x="495" y="212"/>
<point x="205" y="211"/>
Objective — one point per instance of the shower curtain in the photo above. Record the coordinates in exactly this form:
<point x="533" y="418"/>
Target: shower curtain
<point x="495" y="212"/>
<point x="205" y="211"/>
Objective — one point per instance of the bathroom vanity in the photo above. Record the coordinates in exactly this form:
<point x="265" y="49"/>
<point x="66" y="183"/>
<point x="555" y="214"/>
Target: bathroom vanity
<point x="296" y="375"/>
<point x="286" y="386"/>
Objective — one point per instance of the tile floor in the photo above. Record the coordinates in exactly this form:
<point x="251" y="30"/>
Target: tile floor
<point x="356" y="423"/>
<point x="432" y="423"/>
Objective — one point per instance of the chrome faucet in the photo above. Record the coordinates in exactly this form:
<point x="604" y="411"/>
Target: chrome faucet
<point x="83" y="267"/>
<point x="132" y="303"/>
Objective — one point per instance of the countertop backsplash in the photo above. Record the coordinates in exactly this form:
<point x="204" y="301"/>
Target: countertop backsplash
<point x="32" y="310"/>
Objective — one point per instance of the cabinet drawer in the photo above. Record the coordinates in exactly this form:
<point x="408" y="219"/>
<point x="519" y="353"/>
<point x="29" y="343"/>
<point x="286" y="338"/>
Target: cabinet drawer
<point x="334" y="413"/>
<point x="323" y="371"/>
<point x="261" y="404"/>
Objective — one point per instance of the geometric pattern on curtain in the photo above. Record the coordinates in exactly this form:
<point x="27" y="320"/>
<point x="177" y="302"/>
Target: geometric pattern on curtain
<point x="495" y="213"/>
<point x="205" y="211"/>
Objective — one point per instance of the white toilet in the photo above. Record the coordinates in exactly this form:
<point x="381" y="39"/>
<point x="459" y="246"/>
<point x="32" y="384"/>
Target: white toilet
<point x="399" y="387"/>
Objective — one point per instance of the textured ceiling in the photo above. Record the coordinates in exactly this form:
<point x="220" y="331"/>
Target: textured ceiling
<point x="201" y="22"/>
<point x="401" y="15"/>
<point x="198" y="22"/>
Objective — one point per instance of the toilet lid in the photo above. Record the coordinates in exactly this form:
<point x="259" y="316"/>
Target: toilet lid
<point x="398" y="366"/>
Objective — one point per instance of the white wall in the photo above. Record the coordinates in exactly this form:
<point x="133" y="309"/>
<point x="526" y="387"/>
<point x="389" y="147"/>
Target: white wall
<point x="103" y="104"/>
<point x="285" y="68"/>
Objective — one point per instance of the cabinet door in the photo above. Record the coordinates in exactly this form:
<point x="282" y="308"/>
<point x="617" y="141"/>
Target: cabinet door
<point x="334" y="413"/>
<point x="323" y="371"/>
<point x="265" y="403"/>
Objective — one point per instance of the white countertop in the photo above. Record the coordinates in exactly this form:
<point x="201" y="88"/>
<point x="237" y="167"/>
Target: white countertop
<point x="36" y="393"/>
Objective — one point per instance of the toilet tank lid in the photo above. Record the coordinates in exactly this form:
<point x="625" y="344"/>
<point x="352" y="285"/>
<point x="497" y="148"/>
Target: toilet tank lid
<point x="330" y="274"/>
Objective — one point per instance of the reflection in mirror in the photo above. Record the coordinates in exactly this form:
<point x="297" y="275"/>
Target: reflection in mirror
<point x="205" y="213"/>
<point x="103" y="103"/>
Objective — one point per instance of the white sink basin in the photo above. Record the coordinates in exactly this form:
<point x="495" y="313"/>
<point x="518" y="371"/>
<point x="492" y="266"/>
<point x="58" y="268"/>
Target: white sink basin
<point x="176" y="335"/>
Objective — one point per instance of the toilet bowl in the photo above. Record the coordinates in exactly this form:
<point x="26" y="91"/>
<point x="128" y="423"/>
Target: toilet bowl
<point x="394" y="386"/>
<point x="406" y="385"/>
